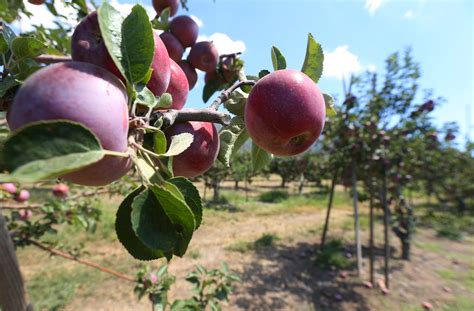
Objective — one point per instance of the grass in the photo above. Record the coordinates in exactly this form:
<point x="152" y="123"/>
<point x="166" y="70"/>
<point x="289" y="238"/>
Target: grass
<point x="194" y="253"/>
<point x="431" y="247"/>
<point x="53" y="289"/>
<point x="274" y="196"/>
<point x="332" y="256"/>
<point x="460" y="304"/>
<point x="267" y="240"/>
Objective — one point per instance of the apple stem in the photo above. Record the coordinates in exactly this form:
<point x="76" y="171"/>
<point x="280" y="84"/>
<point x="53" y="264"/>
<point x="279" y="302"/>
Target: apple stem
<point x="225" y="94"/>
<point x="116" y="154"/>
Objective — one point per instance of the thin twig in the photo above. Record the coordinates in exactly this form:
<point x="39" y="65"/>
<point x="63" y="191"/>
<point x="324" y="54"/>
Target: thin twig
<point x="33" y="206"/>
<point x="59" y="253"/>
<point x="204" y="115"/>
<point x="52" y="59"/>
<point x="225" y="94"/>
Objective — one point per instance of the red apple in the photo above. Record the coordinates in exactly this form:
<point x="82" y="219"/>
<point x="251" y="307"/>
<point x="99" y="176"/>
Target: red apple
<point x="22" y="196"/>
<point x="178" y="87"/>
<point x="185" y="29"/>
<point x="204" y="56"/>
<point x="83" y="93"/>
<point x="25" y="214"/>
<point x="8" y="187"/>
<point x="161" y="66"/>
<point x="190" y="73"/>
<point x="173" y="46"/>
<point x="36" y="2"/>
<point x="202" y="153"/>
<point x="160" y="5"/>
<point x="285" y="112"/>
<point x="88" y="46"/>
<point x="61" y="190"/>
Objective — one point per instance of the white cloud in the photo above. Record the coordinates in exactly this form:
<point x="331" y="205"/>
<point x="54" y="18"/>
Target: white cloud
<point x="409" y="14"/>
<point x="223" y="43"/>
<point x="371" y="68"/>
<point x="341" y="63"/>
<point x="198" y="21"/>
<point x="373" y="5"/>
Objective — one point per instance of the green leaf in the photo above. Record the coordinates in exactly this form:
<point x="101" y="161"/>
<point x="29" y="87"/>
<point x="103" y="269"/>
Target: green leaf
<point x="227" y="137"/>
<point x="159" y="142"/>
<point x="236" y="103"/>
<point x="241" y="140"/>
<point x="185" y="305"/>
<point x="145" y="169"/>
<point x="179" y="143"/>
<point x="191" y="196"/>
<point x="129" y="41"/>
<point x="314" y="59"/>
<point x="145" y="96"/>
<point x="27" y="47"/>
<point x="211" y="87"/>
<point x="3" y="45"/>
<point x="151" y="224"/>
<point x="165" y="101"/>
<point x="126" y="235"/>
<point x="8" y="34"/>
<point x="162" y="220"/>
<point x="260" y="157"/>
<point x="6" y="84"/>
<point x="263" y="73"/>
<point x="329" y="102"/>
<point x="278" y="60"/>
<point x="49" y="149"/>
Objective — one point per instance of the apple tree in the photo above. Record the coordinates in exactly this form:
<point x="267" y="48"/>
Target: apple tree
<point x="114" y="107"/>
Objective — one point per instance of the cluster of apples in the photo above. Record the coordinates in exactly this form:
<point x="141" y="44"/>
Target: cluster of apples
<point x="89" y="90"/>
<point x="19" y="196"/>
<point x="182" y="33"/>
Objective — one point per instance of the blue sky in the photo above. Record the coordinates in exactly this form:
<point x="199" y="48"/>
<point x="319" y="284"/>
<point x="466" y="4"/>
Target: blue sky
<point x="356" y="35"/>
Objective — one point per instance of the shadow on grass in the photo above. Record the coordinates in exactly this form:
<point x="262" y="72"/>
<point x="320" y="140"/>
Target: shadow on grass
<point x="282" y="269"/>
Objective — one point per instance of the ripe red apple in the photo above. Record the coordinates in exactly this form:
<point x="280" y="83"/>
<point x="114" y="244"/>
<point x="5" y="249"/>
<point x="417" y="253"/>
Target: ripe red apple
<point x="8" y="187"/>
<point x="185" y="29"/>
<point x="160" y="5"/>
<point x="190" y="73"/>
<point x="202" y="153"/>
<point x="173" y="46"/>
<point x="285" y="112"/>
<point x="22" y="196"/>
<point x="161" y="66"/>
<point x="204" y="56"/>
<point x="36" y="2"/>
<point x="88" y="46"/>
<point x="61" y="190"/>
<point x="25" y="214"/>
<point x="83" y="93"/>
<point x="178" y="87"/>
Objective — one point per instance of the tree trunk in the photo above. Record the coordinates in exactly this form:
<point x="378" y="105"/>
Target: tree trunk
<point x="236" y="185"/>
<point x="283" y="183"/>
<point x="12" y="290"/>
<point x="246" y="190"/>
<point x="386" y="223"/>
<point x="328" y="213"/>
<point x="216" y="188"/>
<point x="301" y="184"/>
<point x="405" y="249"/>
<point x="371" y="238"/>
<point x="356" y="220"/>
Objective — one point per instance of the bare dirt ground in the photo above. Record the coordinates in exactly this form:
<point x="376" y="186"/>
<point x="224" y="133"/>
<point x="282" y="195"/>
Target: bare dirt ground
<point x="285" y="277"/>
